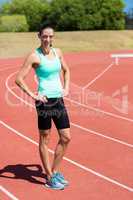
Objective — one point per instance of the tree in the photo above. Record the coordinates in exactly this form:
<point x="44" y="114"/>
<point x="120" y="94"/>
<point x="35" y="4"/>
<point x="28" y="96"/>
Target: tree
<point x="34" y="10"/>
<point x="70" y="15"/>
<point x="66" y="14"/>
<point x="87" y="14"/>
<point x="104" y="14"/>
<point x="113" y="15"/>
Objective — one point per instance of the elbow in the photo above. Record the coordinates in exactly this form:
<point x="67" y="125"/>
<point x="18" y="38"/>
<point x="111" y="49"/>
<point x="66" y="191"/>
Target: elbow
<point x="66" y="71"/>
<point x="18" y="81"/>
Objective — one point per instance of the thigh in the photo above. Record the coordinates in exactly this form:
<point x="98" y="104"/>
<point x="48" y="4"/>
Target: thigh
<point x="60" y="115"/>
<point x="44" y="117"/>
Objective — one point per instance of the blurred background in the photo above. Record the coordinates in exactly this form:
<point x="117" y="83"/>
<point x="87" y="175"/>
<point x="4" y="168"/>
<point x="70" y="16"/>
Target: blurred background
<point x="87" y="25"/>
<point x="66" y="15"/>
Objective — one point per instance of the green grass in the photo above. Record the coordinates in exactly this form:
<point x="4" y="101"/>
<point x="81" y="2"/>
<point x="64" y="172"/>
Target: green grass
<point x="20" y="44"/>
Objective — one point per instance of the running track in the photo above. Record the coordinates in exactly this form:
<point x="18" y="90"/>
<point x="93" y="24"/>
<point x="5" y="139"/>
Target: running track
<point x="98" y="163"/>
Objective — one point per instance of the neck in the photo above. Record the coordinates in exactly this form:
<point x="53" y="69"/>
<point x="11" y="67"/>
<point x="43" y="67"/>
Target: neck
<point x="46" y="50"/>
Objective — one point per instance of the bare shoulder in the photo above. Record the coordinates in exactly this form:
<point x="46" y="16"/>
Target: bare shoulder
<point x="59" y="52"/>
<point x="63" y="62"/>
<point x="33" y="58"/>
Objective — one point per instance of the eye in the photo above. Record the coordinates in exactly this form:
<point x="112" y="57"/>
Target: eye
<point x="44" y="36"/>
<point x="51" y="36"/>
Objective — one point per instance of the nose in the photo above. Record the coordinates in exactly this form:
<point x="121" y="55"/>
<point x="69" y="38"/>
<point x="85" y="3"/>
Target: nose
<point x="48" y="39"/>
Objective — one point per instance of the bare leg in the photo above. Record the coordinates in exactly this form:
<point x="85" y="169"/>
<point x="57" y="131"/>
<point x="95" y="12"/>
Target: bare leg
<point x="43" y="150"/>
<point x="64" y="139"/>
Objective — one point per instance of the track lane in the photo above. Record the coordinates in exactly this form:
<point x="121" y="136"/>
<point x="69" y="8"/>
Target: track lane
<point x="30" y="131"/>
<point x="89" y="186"/>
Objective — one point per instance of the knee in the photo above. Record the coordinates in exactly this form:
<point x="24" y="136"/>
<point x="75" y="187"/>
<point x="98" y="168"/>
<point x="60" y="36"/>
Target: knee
<point x="65" y="138"/>
<point x="44" y="138"/>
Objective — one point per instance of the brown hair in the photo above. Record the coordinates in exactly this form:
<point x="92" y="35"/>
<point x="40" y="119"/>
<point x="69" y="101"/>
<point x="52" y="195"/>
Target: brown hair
<point x="42" y="27"/>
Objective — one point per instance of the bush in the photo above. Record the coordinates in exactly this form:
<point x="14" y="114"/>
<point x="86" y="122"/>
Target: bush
<point x="87" y="14"/>
<point x="13" y="23"/>
<point x="69" y="15"/>
<point x="36" y="11"/>
<point x="66" y="14"/>
<point x="113" y="15"/>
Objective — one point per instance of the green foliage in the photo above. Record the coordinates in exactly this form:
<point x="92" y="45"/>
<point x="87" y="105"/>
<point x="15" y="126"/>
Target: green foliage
<point x="104" y="14"/>
<point x="14" y="23"/>
<point x="66" y="14"/>
<point x="36" y="13"/>
<point x="113" y="15"/>
<point x="71" y="15"/>
<point x="34" y="10"/>
<point x="87" y="14"/>
<point x="5" y="9"/>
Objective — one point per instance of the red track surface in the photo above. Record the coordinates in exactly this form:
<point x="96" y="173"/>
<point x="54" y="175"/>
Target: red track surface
<point x="98" y="163"/>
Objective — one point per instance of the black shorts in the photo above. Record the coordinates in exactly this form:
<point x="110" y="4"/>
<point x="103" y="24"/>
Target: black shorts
<point x="54" y="110"/>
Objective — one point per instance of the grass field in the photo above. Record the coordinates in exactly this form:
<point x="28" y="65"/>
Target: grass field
<point x="20" y="44"/>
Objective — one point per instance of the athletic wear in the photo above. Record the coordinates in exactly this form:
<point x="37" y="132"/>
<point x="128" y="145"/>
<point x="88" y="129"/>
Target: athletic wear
<point x="53" y="183"/>
<point x="61" y="179"/>
<point x="48" y="74"/>
<point x="49" y="85"/>
<point x="54" y="110"/>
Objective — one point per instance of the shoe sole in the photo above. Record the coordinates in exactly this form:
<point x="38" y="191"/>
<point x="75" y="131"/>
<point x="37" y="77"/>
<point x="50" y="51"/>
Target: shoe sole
<point x="66" y="185"/>
<point x="46" y="185"/>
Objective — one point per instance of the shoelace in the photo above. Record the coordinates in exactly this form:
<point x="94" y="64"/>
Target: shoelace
<point x="60" y="175"/>
<point x="53" y="180"/>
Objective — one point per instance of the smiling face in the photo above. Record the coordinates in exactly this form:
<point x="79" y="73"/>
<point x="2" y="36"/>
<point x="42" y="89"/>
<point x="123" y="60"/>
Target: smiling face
<point x="46" y="37"/>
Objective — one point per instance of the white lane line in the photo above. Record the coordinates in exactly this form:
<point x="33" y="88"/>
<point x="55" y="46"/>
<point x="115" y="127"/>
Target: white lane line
<point x="71" y="161"/>
<point x="104" y="136"/>
<point x="99" y="110"/>
<point x="13" y="93"/>
<point x="76" y="125"/>
<point x="73" y="101"/>
<point x="98" y="76"/>
<point x="9" y="194"/>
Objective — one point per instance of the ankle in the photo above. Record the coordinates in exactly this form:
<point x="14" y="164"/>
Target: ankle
<point x="49" y="176"/>
<point x="54" y="171"/>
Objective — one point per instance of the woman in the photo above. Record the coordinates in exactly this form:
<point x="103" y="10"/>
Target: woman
<point x="48" y="63"/>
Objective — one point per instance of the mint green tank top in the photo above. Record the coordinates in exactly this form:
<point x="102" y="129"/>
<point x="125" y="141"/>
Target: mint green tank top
<point x="48" y="74"/>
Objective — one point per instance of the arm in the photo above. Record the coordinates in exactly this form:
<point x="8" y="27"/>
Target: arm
<point x="24" y="71"/>
<point x="66" y="72"/>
